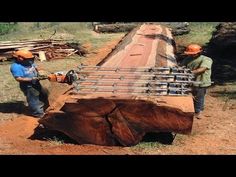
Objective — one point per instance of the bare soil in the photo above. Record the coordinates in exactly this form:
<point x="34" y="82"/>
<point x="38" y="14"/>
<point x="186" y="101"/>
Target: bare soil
<point x="213" y="134"/>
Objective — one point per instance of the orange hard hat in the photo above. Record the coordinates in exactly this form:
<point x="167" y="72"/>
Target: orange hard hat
<point x="193" y="49"/>
<point x="25" y="54"/>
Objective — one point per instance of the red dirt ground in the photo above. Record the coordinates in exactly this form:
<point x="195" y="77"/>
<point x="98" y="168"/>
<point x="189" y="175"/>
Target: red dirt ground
<point x="15" y="133"/>
<point x="213" y="134"/>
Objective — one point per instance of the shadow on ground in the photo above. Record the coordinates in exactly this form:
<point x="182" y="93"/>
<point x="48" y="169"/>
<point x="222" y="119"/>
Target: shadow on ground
<point x="164" y="138"/>
<point x="14" y="107"/>
<point x="44" y="134"/>
<point x="229" y="94"/>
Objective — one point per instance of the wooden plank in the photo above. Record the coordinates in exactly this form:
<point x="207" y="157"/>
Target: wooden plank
<point x="42" y="56"/>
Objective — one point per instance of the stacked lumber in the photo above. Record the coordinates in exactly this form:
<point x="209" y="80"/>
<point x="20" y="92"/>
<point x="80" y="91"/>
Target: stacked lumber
<point x="44" y="49"/>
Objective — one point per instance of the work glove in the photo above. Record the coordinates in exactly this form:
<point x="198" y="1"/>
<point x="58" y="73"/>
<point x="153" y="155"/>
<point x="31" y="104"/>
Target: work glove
<point x="43" y="73"/>
<point x="42" y="77"/>
<point x="34" y="80"/>
<point x="71" y="76"/>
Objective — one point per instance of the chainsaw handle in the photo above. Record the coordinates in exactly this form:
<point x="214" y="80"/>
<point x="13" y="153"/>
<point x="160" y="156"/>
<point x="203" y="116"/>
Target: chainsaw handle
<point x="70" y="77"/>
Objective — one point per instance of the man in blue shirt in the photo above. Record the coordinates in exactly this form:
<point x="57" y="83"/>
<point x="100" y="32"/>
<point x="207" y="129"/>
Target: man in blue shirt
<point x="25" y="72"/>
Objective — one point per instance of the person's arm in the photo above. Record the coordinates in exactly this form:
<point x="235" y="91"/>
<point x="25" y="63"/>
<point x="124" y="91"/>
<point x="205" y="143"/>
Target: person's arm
<point x="40" y="70"/>
<point x="184" y="62"/>
<point x="19" y="75"/>
<point x="205" y="65"/>
<point x="199" y="70"/>
<point x="25" y="79"/>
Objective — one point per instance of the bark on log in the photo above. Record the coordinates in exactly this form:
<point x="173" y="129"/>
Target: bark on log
<point x="116" y="122"/>
<point x="178" y="28"/>
<point x="114" y="28"/>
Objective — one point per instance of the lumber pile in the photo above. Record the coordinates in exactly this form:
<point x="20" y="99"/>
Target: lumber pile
<point x="44" y="49"/>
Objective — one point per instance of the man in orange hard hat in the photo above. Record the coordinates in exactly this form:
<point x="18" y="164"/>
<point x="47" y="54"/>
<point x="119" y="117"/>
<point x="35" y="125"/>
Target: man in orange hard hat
<point x="201" y="67"/>
<point x="25" y="72"/>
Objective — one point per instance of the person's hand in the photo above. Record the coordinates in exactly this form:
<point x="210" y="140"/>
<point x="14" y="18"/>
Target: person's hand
<point x="43" y="73"/>
<point x="34" y="80"/>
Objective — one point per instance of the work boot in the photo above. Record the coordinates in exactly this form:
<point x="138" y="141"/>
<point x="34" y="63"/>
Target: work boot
<point x="39" y="115"/>
<point x="41" y="126"/>
<point x="198" y="115"/>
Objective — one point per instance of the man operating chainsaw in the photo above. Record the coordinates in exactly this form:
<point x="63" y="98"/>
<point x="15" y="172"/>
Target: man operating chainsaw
<point x="25" y="71"/>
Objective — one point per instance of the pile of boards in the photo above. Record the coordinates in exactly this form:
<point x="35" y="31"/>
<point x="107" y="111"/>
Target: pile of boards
<point x="43" y="49"/>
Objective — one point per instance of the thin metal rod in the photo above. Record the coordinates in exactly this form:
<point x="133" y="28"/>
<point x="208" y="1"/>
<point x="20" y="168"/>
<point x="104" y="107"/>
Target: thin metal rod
<point x="138" y="81"/>
<point x="131" y="75"/>
<point x="122" y="83"/>
<point x="134" y="68"/>
<point x="127" y="73"/>
<point x="156" y="81"/>
<point x="138" y="94"/>
<point x="134" y="88"/>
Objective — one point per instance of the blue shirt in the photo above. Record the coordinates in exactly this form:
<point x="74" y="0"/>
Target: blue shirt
<point x="19" y="70"/>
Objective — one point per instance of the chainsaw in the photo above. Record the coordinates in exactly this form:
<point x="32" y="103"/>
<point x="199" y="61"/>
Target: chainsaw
<point x="60" y="77"/>
<point x="149" y="81"/>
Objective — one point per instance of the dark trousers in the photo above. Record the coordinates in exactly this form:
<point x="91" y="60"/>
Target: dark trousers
<point x="199" y="98"/>
<point x="36" y="98"/>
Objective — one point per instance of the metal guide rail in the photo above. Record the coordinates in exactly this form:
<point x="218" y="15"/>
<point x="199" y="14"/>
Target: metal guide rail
<point x="153" y="81"/>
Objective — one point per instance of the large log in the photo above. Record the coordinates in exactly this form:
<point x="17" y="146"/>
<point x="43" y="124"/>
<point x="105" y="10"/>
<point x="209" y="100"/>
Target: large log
<point x="106" y="119"/>
<point x="114" y="28"/>
<point x="177" y="28"/>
